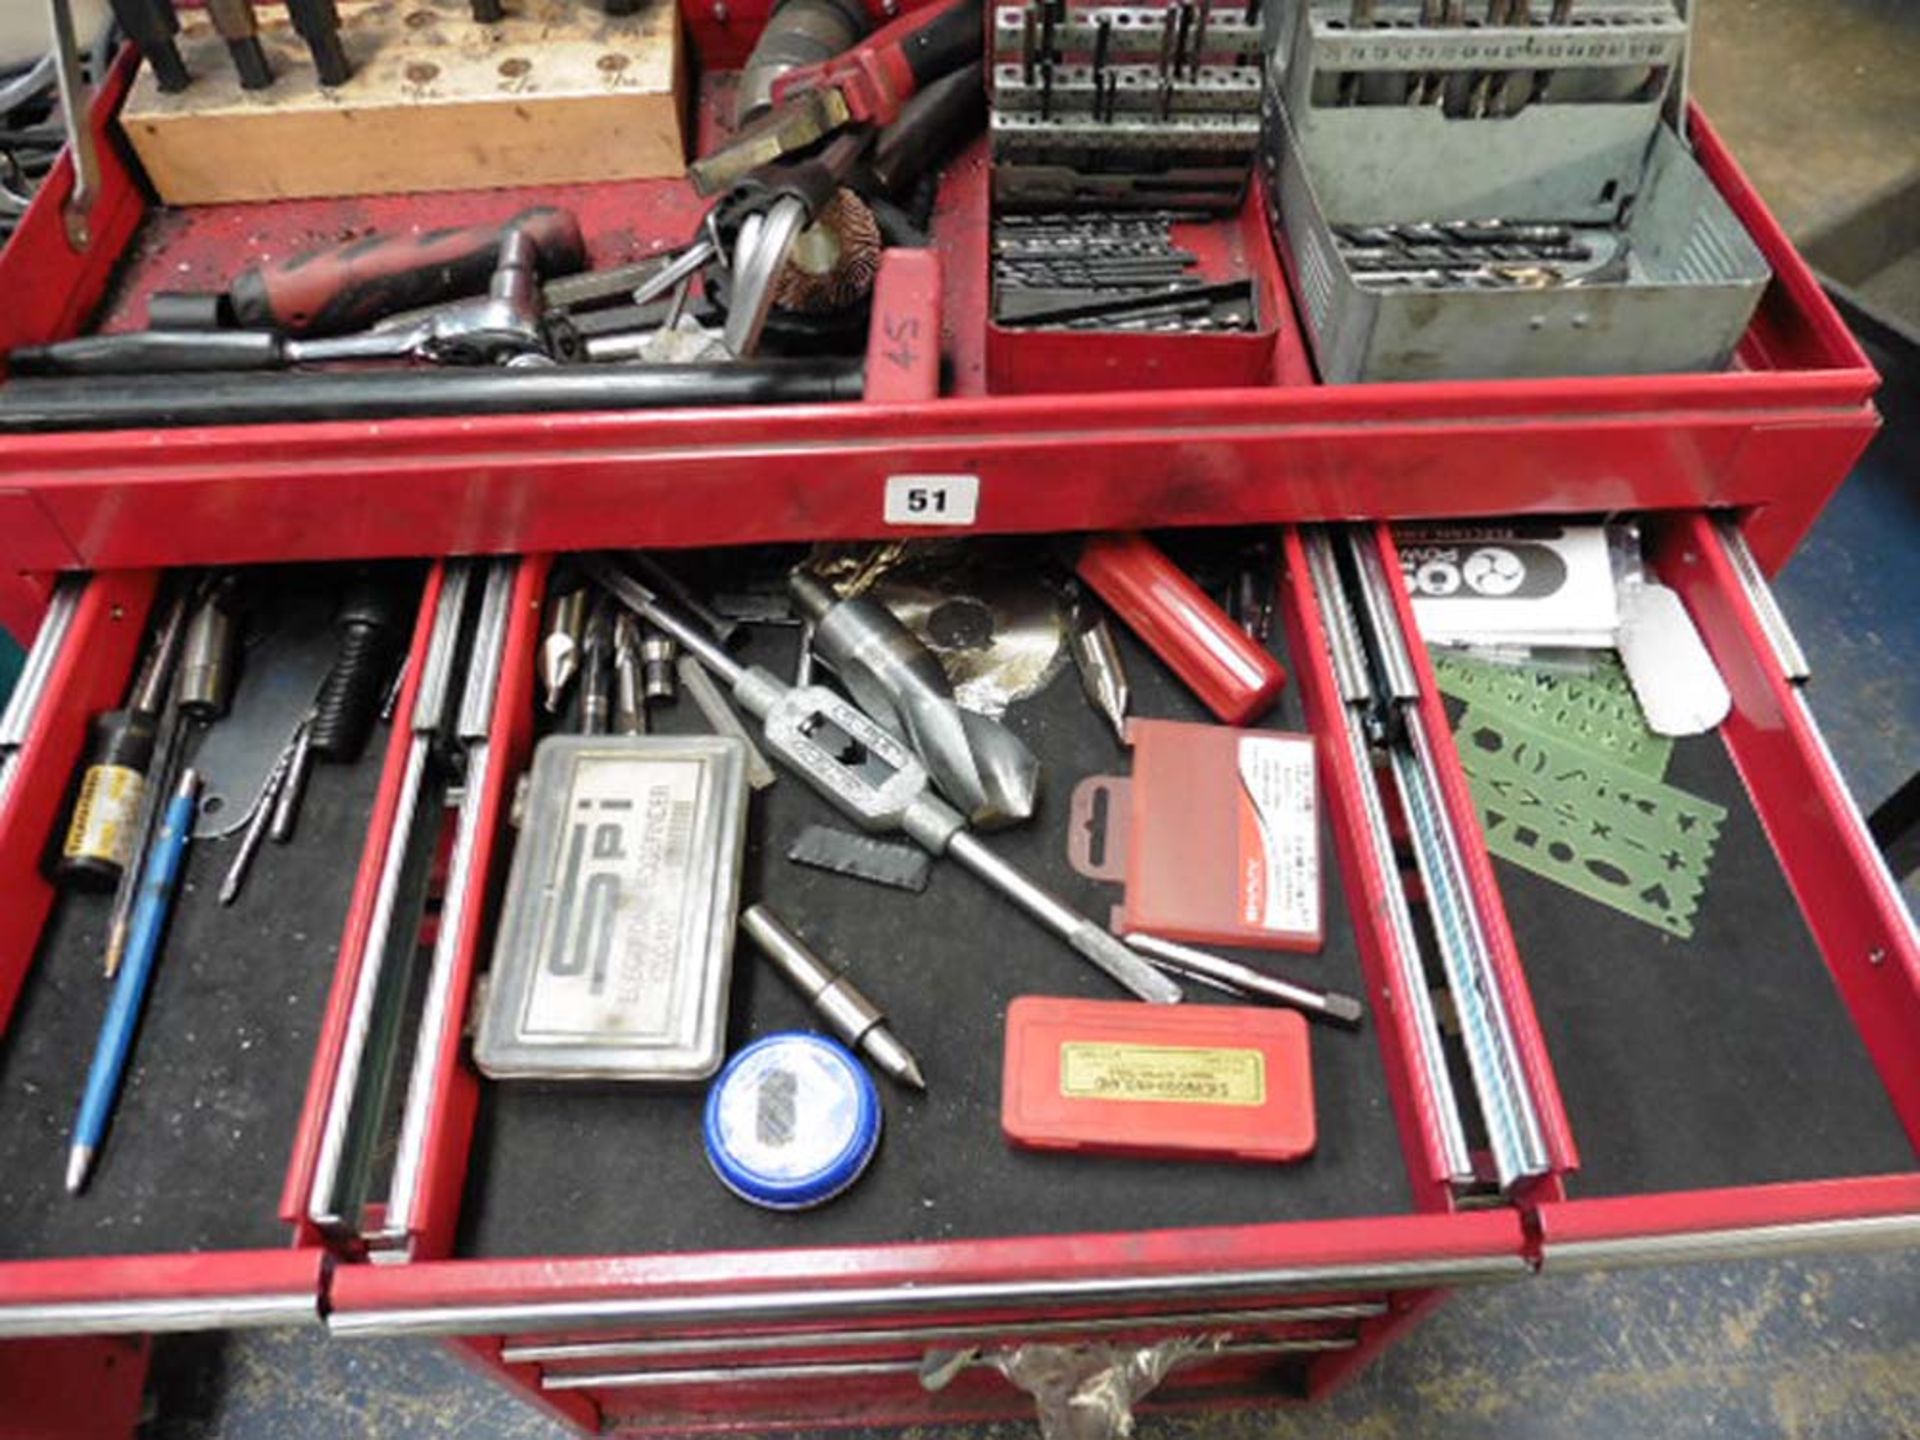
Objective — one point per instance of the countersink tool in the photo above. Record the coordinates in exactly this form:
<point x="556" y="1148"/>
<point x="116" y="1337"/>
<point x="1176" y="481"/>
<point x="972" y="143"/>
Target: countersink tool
<point x="1103" y="675"/>
<point x="560" y="646"/>
<point x="977" y="763"/>
<point x="873" y="778"/>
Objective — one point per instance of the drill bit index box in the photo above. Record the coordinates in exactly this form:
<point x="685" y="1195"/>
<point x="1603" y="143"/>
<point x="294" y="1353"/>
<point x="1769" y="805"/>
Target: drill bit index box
<point x="1469" y="200"/>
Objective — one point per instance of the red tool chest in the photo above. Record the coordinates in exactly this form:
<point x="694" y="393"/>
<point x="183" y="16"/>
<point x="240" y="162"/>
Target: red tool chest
<point x="1764" y="1099"/>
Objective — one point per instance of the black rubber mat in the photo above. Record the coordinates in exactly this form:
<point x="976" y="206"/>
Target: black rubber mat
<point x="1724" y="1059"/>
<point x="199" y="1143"/>
<point x="559" y="1171"/>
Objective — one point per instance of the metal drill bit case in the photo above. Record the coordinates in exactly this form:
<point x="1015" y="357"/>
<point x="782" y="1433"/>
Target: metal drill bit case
<point x="1422" y="129"/>
<point x="614" y="953"/>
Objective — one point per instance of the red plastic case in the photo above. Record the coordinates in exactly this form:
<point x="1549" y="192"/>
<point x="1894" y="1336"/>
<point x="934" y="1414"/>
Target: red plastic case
<point x="1179" y="1081"/>
<point x="1255" y="881"/>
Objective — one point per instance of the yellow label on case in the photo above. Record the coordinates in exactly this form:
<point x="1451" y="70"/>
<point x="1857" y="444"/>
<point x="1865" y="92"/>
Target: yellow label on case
<point x="105" y="815"/>
<point x="1188" y="1074"/>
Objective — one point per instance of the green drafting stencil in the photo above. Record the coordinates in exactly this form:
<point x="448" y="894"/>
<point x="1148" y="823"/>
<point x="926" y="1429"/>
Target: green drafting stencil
<point x="1596" y="712"/>
<point x="1636" y="844"/>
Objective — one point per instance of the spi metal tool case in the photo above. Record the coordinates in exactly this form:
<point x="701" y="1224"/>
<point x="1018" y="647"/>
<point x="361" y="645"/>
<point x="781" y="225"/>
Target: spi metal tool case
<point x="1606" y="1099"/>
<point x="1507" y="199"/>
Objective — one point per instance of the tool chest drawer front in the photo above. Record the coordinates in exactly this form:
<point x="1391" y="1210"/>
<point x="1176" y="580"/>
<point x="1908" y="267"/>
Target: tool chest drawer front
<point x="1735" y="1041"/>
<point x="593" y="1357"/>
<point x="1224" y="1370"/>
<point x="923" y="1374"/>
<point x="1778" y="428"/>
<point x="199" y="1127"/>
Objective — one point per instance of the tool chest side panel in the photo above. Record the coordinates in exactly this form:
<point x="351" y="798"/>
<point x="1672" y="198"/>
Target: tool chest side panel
<point x="1852" y="904"/>
<point x="52" y="288"/>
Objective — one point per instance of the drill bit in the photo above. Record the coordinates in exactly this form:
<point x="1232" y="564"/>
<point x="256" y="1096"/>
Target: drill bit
<point x="151" y="25"/>
<point x="596" y="670"/>
<point x="977" y="763"/>
<point x="560" y="647"/>
<point x="318" y="23"/>
<point x="235" y="21"/>
<point x="629" y="699"/>
<point x="1095" y="655"/>
<point x="1238" y="979"/>
<point x="852" y="1016"/>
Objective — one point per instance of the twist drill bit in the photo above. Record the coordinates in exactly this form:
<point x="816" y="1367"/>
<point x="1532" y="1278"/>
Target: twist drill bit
<point x="151" y="25"/>
<point x="596" y="670"/>
<point x="977" y="763"/>
<point x="629" y="698"/>
<point x="235" y="21"/>
<point x="318" y="22"/>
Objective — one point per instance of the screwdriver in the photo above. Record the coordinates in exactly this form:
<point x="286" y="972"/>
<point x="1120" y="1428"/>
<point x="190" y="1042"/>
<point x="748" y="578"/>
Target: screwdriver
<point x="103" y="836"/>
<point x="151" y="25"/>
<point x="854" y="1017"/>
<point x="235" y="21"/>
<point x="873" y="778"/>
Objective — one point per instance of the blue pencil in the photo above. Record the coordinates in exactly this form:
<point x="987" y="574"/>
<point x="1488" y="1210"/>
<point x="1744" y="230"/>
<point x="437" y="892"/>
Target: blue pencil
<point x="130" y="989"/>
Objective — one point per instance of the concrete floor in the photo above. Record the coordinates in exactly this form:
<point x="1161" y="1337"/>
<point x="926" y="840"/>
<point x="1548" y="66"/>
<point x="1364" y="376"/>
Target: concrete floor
<point x="1821" y="100"/>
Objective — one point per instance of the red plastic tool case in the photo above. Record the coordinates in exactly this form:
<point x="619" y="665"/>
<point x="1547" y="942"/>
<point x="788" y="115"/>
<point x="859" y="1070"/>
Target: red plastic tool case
<point x="825" y="1324"/>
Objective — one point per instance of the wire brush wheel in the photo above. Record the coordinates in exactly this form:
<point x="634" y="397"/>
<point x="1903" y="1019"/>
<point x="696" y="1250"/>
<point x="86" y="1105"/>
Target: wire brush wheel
<point x="834" y="260"/>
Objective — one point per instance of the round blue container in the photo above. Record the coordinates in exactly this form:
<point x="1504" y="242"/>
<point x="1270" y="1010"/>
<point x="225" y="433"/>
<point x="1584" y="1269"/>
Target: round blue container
<point x="792" y="1121"/>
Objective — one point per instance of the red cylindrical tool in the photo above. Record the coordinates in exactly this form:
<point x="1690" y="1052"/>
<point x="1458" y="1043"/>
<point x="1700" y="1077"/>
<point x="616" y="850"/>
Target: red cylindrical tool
<point x="348" y="287"/>
<point x="1231" y="672"/>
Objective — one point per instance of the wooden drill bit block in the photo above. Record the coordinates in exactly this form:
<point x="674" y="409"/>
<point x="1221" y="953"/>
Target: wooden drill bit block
<point x="556" y="92"/>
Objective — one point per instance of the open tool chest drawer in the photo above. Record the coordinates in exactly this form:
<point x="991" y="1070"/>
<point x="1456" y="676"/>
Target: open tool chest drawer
<point x="1749" y="1089"/>
<point x="179" y="1225"/>
<point x="1772" y="434"/>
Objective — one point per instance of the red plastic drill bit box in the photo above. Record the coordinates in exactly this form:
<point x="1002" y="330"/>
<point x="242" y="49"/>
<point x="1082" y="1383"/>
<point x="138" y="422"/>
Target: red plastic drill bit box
<point x="1221" y="1081"/>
